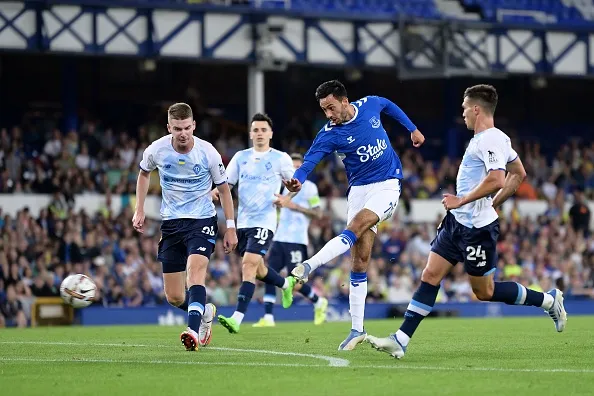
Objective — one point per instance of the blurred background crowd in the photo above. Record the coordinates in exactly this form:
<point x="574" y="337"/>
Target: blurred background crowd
<point x="37" y="251"/>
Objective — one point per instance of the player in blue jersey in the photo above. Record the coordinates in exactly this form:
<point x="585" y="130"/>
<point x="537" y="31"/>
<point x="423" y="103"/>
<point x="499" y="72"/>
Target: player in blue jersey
<point x="470" y="230"/>
<point x="258" y="173"/>
<point x="289" y="245"/>
<point x="188" y="167"/>
<point x="373" y="170"/>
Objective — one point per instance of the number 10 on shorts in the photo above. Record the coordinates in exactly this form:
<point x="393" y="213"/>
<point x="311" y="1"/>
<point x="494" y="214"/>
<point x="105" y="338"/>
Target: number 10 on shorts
<point x="262" y="235"/>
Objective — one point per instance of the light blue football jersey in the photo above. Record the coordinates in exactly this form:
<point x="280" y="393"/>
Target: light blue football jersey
<point x="258" y="177"/>
<point x="486" y="151"/>
<point x="186" y="179"/>
<point x="293" y="226"/>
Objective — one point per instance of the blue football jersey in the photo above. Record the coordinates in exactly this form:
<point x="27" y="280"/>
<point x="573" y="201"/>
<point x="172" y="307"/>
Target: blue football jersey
<point x="362" y="143"/>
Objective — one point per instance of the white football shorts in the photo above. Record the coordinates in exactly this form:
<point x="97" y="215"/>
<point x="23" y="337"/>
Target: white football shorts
<point x="381" y="198"/>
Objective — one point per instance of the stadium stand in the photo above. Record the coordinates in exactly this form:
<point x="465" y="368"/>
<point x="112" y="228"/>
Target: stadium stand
<point x="574" y="12"/>
<point x="513" y="11"/>
<point x="37" y="252"/>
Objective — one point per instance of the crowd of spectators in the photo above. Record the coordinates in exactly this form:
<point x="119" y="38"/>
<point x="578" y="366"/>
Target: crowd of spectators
<point x="37" y="251"/>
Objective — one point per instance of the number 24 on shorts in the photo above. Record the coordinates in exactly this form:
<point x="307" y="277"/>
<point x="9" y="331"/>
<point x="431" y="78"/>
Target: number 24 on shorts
<point x="208" y="230"/>
<point x="475" y="253"/>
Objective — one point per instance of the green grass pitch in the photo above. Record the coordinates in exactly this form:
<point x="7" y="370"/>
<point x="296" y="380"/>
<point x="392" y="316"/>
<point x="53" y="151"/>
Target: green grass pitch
<point x="519" y="356"/>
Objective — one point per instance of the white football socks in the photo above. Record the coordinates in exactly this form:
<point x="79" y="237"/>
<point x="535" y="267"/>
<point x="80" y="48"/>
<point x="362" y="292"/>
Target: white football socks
<point x="357" y="296"/>
<point x="402" y="337"/>
<point x="548" y="301"/>
<point x="334" y="248"/>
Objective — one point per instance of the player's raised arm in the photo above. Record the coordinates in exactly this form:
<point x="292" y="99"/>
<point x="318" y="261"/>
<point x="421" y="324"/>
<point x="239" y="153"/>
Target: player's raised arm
<point x="391" y="109"/>
<point x="322" y="145"/>
<point x="515" y="176"/>
<point x="492" y="155"/>
<point x="147" y="165"/>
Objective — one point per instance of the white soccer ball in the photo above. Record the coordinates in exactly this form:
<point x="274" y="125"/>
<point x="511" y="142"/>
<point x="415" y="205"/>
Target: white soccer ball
<point x="78" y="290"/>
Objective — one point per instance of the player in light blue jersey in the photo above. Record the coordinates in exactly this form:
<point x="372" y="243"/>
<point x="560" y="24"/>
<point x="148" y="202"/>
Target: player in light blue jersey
<point x="188" y="167"/>
<point x="373" y="170"/>
<point x="258" y="173"/>
<point x="470" y="230"/>
<point x="289" y="245"/>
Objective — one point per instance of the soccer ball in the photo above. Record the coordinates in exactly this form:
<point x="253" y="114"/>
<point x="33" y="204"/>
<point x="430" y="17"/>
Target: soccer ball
<point x="78" y="290"/>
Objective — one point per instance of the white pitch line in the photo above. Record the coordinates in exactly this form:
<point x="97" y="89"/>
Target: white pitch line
<point x="190" y="362"/>
<point x="332" y="361"/>
<point x="495" y="369"/>
<point x="396" y="366"/>
<point x="82" y="344"/>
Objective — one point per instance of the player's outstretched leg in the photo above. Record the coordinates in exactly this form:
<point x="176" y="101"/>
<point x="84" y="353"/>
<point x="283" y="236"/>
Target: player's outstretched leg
<point x="364" y="220"/>
<point x="320" y="303"/>
<point x="513" y="293"/>
<point x="334" y="248"/>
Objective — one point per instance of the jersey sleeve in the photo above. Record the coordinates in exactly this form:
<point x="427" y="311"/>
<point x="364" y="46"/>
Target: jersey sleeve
<point x="286" y="166"/>
<point x="494" y="152"/>
<point x="216" y="167"/>
<point x="395" y="112"/>
<point x="233" y="170"/>
<point x="322" y="146"/>
<point x="512" y="155"/>
<point x="149" y="162"/>
<point x="313" y="198"/>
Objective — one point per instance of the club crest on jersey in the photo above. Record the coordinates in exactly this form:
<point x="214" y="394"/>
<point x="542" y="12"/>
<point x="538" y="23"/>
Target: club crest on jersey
<point x="268" y="166"/>
<point x="196" y="169"/>
<point x="375" y="123"/>
<point x="373" y="152"/>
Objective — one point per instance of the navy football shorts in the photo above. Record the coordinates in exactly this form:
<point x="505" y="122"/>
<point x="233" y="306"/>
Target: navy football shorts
<point x="181" y="238"/>
<point x="254" y="240"/>
<point x="475" y="247"/>
<point x="284" y="254"/>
